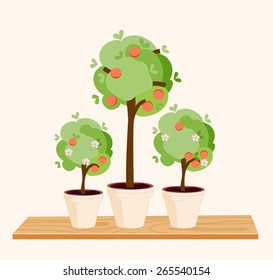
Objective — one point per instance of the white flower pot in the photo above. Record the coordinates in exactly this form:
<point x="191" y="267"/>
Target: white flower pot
<point x="83" y="209"/>
<point x="130" y="205"/>
<point x="183" y="207"/>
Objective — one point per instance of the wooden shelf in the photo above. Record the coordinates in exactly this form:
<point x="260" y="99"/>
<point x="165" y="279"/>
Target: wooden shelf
<point x="156" y="227"/>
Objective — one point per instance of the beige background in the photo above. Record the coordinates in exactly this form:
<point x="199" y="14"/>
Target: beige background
<point x="223" y="51"/>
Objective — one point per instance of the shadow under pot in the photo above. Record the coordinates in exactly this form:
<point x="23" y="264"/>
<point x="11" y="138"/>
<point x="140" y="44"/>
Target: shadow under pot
<point x="183" y="207"/>
<point x="83" y="208"/>
<point x="130" y="205"/>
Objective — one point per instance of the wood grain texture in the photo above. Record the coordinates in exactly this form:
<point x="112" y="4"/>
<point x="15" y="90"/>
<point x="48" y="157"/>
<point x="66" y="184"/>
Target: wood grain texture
<point x="156" y="227"/>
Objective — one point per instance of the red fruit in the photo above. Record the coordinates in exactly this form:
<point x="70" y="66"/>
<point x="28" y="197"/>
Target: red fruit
<point x="111" y="100"/>
<point x="158" y="94"/>
<point x="102" y="160"/>
<point x="115" y="73"/>
<point x="72" y="142"/>
<point x="179" y="126"/>
<point x="204" y="154"/>
<point x="134" y="52"/>
<point x="188" y="156"/>
<point x="195" y="163"/>
<point x="147" y="106"/>
<point x="94" y="168"/>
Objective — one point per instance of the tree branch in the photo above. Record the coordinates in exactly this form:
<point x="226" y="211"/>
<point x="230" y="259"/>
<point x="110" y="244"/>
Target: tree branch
<point x="106" y="70"/>
<point x="157" y="51"/>
<point x="157" y="83"/>
<point x="139" y="104"/>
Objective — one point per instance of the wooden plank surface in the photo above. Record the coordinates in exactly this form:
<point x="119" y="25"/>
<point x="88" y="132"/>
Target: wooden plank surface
<point x="156" y="227"/>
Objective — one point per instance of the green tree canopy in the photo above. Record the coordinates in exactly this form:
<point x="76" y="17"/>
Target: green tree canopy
<point x="85" y="143"/>
<point x="133" y="67"/>
<point x="184" y="135"/>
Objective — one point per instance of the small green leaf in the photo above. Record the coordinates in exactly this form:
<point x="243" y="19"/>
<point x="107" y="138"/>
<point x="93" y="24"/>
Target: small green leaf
<point x="159" y="106"/>
<point x="94" y="63"/>
<point x="153" y="70"/>
<point x="207" y="119"/>
<point x="76" y="115"/>
<point x="164" y="49"/>
<point x="102" y="78"/>
<point x="173" y="108"/>
<point x="57" y="137"/>
<point x="155" y="159"/>
<point x="155" y="130"/>
<point x="119" y="56"/>
<point x="195" y="155"/>
<point x="58" y="164"/>
<point x="119" y="35"/>
<point x="96" y="98"/>
<point x="143" y="44"/>
<point x="103" y="125"/>
<point x="176" y="78"/>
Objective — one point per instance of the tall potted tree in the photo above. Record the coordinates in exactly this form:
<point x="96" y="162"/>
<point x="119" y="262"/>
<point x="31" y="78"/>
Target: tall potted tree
<point x="184" y="137"/>
<point x="136" y="74"/>
<point x="85" y="145"/>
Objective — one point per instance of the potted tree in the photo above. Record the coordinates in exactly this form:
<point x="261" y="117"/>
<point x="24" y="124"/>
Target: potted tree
<point x="185" y="138"/>
<point x="83" y="144"/>
<point x="136" y="74"/>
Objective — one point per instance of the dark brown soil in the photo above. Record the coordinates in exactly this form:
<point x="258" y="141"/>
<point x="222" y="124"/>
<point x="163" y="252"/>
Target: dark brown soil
<point x="187" y="189"/>
<point x="87" y="192"/>
<point x="137" y="186"/>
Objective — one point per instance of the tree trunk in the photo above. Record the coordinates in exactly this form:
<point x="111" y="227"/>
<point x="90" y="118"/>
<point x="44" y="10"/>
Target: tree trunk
<point x="184" y="169"/>
<point x="84" y="172"/>
<point x="131" y="110"/>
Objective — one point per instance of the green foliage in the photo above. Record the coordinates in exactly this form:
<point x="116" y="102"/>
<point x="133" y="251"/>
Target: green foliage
<point x="138" y="72"/>
<point x="181" y="132"/>
<point x="81" y="140"/>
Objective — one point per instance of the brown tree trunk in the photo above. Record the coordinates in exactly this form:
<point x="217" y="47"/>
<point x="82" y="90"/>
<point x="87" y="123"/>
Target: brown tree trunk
<point x="132" y="108"/>
<point x="130" y="143"/>
<point x="84" y="172"/>
<point x="184" y="169"/>
<point x="184" y="166"/>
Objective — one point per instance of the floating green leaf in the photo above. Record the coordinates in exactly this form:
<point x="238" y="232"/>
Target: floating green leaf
<point x="173" y="108"/>
<point x="155" y="130"/>
<point x="176" y="78"/>
<point x="96" y="98"/>
<point x="57" y="137"/>
<point x="143" y="44"/>
<point x="119" y="35"/>
<point x="94" y="63"/>
<point x="102" y="78"/>
<point x="153" y="70"/>
<point x="76" y="115"/>
<point x="207" y="119"/>
<point x="119" y="56"/>
<point x="164" y="49"/>
<point x="58" y="164"/>
<point x="155" y="159"/>
<point x="104" y="127"/>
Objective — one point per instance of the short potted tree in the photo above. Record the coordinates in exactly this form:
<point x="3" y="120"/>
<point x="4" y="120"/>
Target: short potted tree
<point x="85" y="145"/>
<point x="185" y="138"/>
<point x="136" y="74"/>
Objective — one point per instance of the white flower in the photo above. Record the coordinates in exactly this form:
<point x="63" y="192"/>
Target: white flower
<point x="195" y="137"/>
<point x="85" y="161"/>
<point x="204" y="162"/>
<point x="95" y="144"/>
<point x="165" y="137"/>
<point x="68" y="152"/>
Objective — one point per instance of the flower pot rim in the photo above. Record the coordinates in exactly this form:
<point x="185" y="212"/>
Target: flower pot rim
<point x="91" y="193"/>
<point x="174" y="189"/>
<point x="113" y="186"/>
